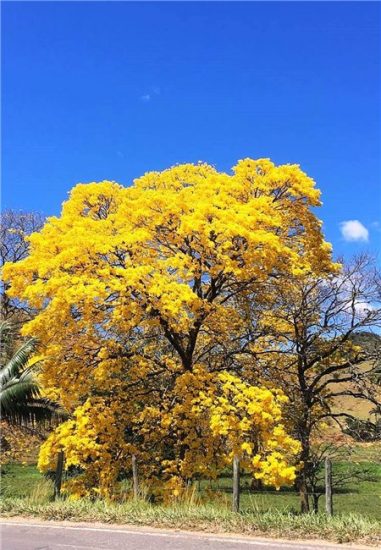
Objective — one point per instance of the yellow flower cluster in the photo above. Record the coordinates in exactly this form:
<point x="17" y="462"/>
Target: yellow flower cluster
<point x="92" y="442"/>
<point x="249" y="419"/>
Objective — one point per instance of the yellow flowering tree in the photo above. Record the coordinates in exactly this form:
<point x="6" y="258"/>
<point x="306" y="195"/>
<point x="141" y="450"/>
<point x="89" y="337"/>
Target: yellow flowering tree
<point x="138" y="287"/>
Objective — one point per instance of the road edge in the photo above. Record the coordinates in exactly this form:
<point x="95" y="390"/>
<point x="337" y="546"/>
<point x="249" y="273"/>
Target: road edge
<point x="146" y="529"/>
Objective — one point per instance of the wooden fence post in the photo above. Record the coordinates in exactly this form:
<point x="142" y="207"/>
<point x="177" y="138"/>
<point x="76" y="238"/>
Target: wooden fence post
<point x="58" y="477"/>
<point x="135" y="480"/>
<point x="328" y="487"/>
<point x="236" y="485"/>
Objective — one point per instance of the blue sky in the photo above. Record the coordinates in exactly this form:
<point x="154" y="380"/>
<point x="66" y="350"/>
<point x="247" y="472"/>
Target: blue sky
<point x="99" y="90"/>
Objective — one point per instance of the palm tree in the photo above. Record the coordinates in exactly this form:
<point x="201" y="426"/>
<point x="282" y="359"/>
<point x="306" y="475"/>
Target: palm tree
<point x="20" y="394"/>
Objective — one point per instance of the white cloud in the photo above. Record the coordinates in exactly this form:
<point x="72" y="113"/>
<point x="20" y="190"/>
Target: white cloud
<point x="363" y="308"/>
<point x="150" y="94"/>
<point x="353" y="230"/>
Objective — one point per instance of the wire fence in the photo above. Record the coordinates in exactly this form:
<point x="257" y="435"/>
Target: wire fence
<point x="364" y="499"/>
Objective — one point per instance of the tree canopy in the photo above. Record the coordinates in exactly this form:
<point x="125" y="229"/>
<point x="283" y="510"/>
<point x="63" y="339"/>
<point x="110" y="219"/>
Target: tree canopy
<point x="143" y="296"/>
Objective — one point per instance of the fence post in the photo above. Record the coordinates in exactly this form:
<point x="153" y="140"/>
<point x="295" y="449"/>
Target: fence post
<point x="135" y="480"/>
<point x="58" y="476"/>
<point x="236" y="485"/>
<point x="328" y="487"/>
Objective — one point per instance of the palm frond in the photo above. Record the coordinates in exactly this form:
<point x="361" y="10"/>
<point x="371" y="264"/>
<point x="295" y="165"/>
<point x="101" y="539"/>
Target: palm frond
<point x="17" y="391"/>
<point x="17" y="363"/>
<point x="35" y="410"/>
<point x="20" y="395"/>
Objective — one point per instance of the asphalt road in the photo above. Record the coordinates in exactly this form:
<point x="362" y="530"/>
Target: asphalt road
<point x="45" y="536"/>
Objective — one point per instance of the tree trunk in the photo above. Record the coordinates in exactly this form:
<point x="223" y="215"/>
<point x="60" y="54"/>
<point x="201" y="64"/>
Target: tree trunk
<point x="303" y="494"/>
<point x="58" y="476"/>
<point x="236" y="486"/>
<point x="256" y="484"/>
<point x="135" y="480"/>
<point x="328" y="487"/>
<point x="315" y="501"/>
<point x="303" y="474"/>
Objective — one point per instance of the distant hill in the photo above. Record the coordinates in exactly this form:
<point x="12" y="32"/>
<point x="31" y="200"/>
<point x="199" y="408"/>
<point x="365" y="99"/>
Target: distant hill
<point x="368" y="340"/>
<point x="360" y="408"/>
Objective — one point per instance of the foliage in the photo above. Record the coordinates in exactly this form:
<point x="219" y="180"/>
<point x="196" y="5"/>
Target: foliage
<point x="249" y="419"/>
<point x="20" y="395"/>
<point x="143" y="296"/>
<point x="22" y="405"/>
<point x="15" y="226"/>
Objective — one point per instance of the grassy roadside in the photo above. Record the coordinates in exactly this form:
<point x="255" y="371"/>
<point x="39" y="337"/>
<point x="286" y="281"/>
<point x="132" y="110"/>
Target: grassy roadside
<point x="362" y="498"/>
<point x="211" y="518"/>
<point x="26" y="493"/>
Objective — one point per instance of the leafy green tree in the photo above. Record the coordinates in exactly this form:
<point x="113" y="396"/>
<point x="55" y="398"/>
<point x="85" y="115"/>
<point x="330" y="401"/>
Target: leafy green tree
<point x="20" y="395"/>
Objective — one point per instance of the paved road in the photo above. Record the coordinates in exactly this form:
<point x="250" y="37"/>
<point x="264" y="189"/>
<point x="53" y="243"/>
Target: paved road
<point x="35" y="536"/>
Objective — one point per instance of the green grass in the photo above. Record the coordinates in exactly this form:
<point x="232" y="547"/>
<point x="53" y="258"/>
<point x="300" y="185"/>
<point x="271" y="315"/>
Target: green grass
<point x="357" y="512"/>
<point x="208" y="517"/>
<point x="19" y="480"/>
<point x="363" y="497"/>
<point x="367" y="452"/>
